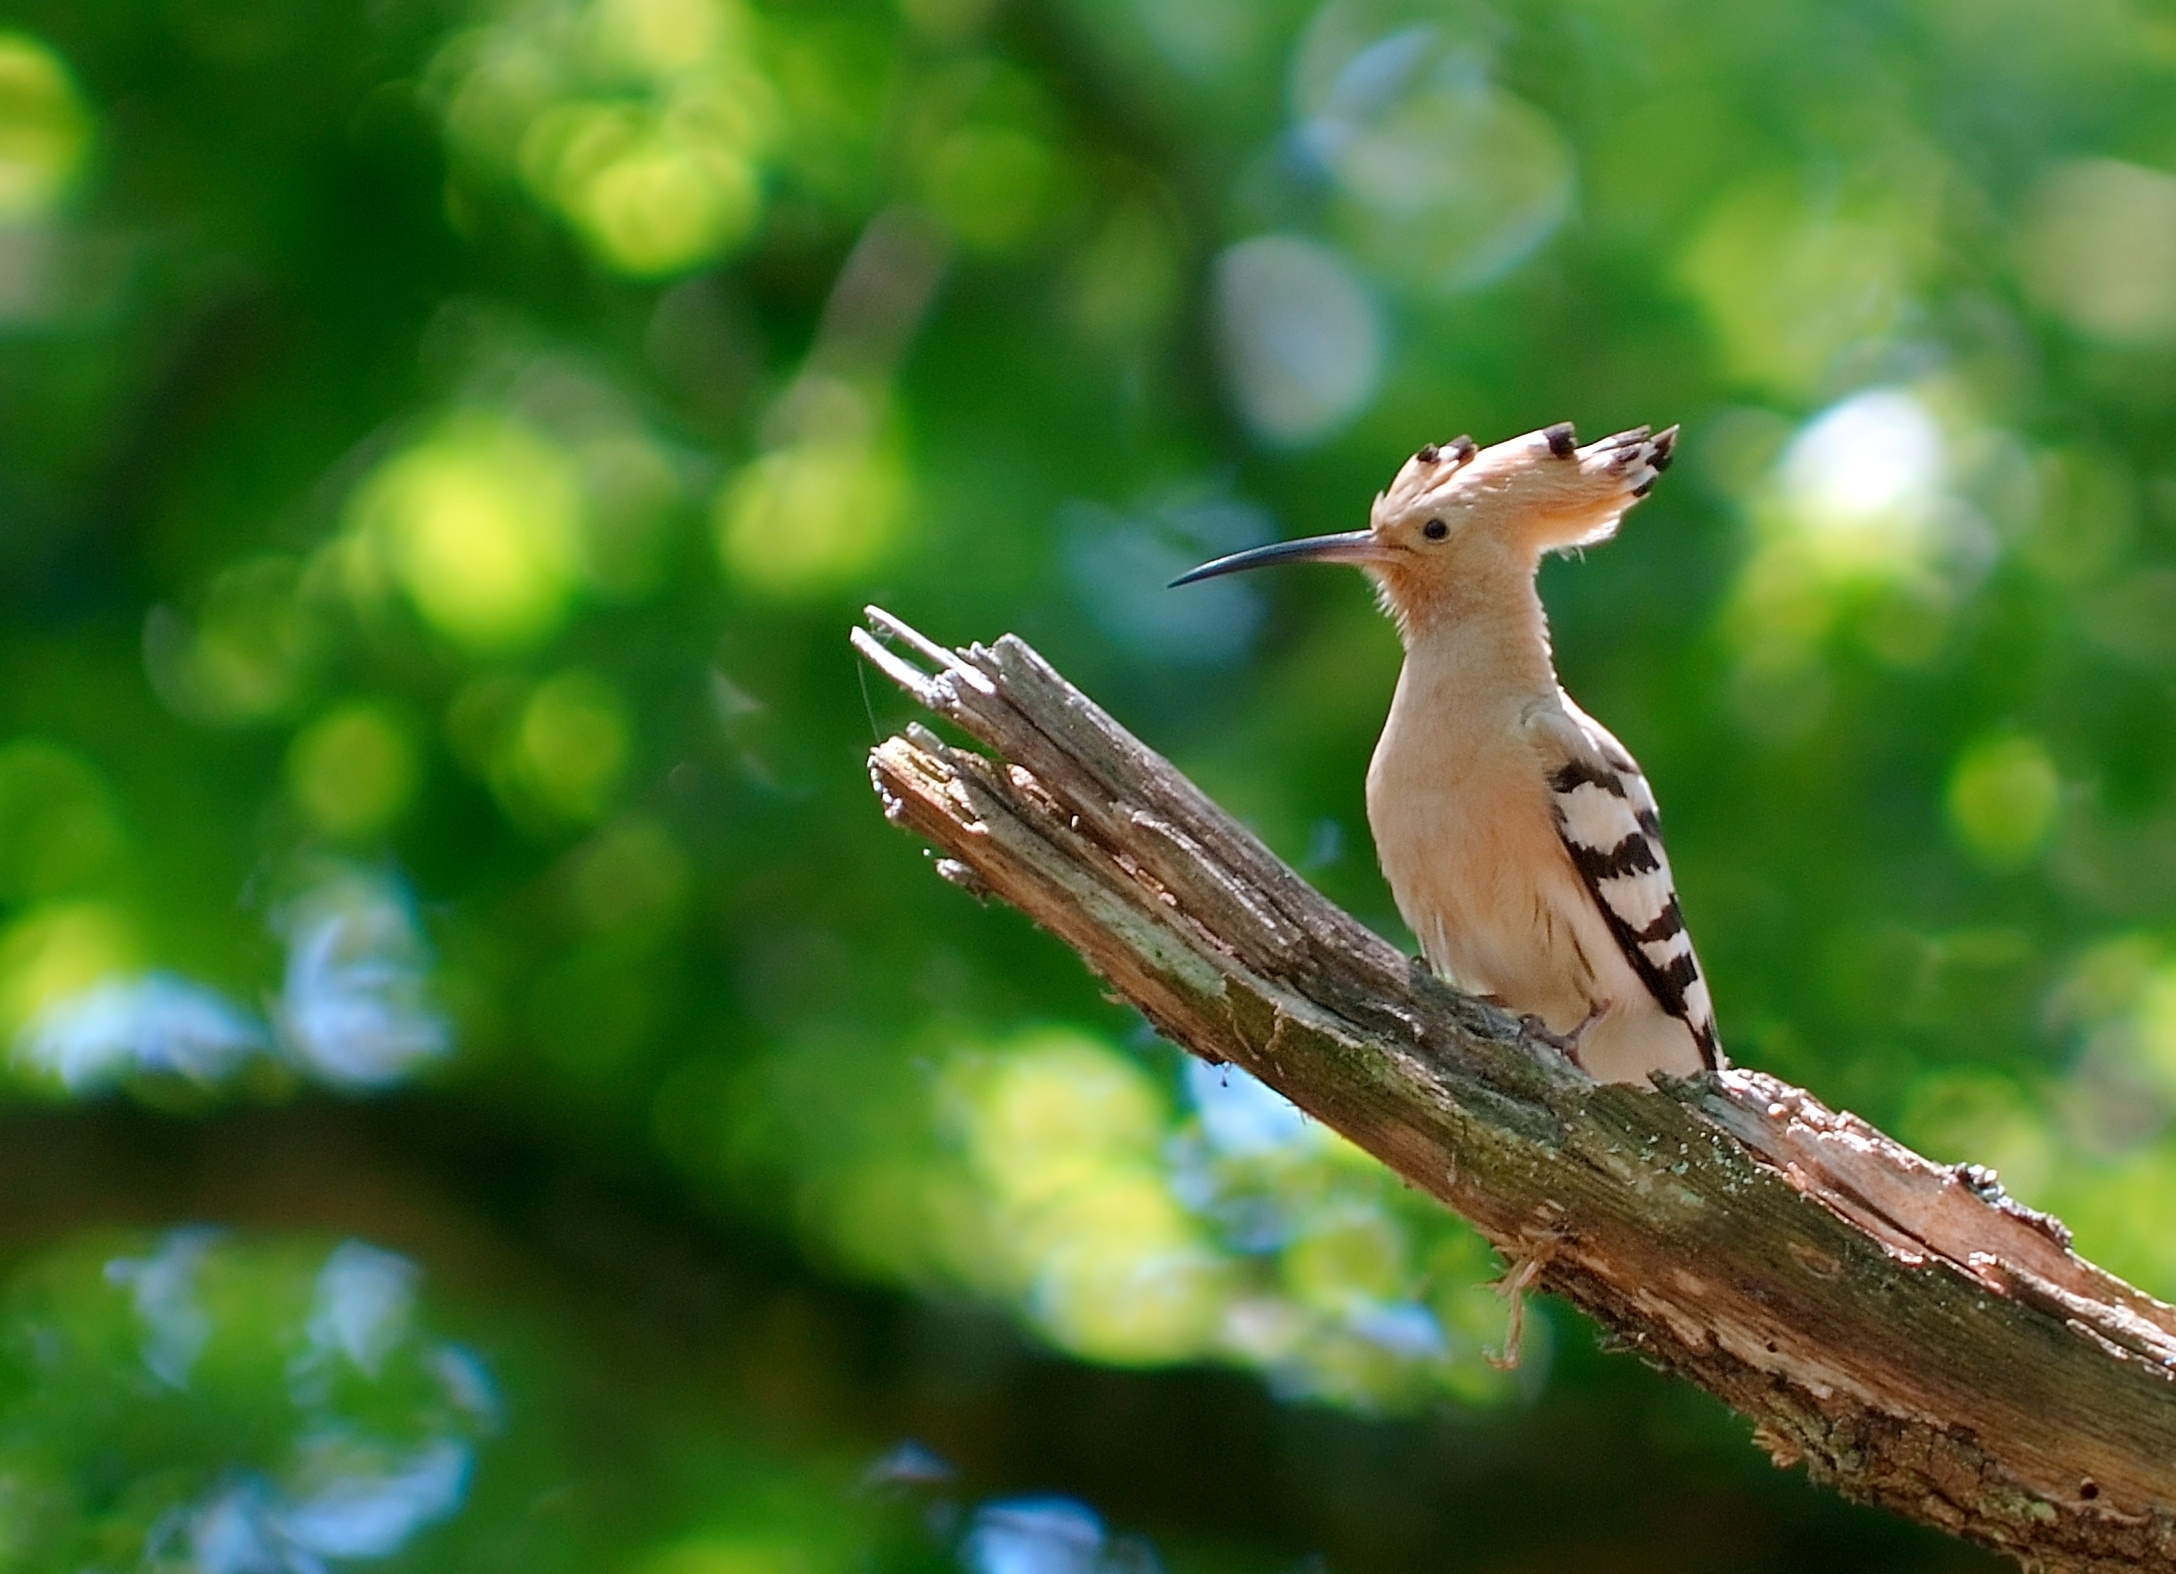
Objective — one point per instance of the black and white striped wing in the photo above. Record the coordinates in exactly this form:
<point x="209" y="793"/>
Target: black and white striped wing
<point x="1606" y="815"/>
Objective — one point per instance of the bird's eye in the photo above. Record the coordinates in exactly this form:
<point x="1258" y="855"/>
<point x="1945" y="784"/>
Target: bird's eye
<point x="1435" y="530"/>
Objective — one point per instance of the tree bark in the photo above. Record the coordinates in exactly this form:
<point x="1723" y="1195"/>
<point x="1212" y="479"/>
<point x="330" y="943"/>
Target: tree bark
<point x="1913" y="1335"/>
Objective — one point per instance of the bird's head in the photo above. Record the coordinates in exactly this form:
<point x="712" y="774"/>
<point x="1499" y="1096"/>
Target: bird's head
<point x="1457" y="520"/>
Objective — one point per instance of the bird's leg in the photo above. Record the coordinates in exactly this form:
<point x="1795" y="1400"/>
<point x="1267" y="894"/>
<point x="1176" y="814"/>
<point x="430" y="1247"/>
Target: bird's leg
<point x="1566" y="1044"/>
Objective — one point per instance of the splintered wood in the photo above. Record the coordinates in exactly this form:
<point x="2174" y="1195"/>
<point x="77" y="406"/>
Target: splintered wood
<point x="1912" y="1335"/>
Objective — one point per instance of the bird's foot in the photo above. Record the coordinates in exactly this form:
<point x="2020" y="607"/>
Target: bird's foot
<point x="1566" y="1044"/>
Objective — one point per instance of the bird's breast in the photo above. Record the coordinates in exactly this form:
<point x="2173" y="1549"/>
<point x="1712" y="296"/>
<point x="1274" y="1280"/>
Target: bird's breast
<point x="1463" y="828"/>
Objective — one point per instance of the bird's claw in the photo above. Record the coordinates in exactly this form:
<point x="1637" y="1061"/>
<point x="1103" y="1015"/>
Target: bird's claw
<point x="1566" y="1044"/>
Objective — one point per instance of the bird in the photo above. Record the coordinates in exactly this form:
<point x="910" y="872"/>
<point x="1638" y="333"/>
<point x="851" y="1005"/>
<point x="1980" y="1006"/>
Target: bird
<point x="1521" y="841"/>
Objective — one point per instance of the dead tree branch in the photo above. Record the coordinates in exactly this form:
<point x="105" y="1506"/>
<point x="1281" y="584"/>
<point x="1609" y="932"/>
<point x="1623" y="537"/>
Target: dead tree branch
<point x="1917" y="1338"/>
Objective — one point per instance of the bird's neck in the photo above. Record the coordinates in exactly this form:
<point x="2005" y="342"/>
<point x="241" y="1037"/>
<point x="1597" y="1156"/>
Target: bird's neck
<point x="1494" y="641"/>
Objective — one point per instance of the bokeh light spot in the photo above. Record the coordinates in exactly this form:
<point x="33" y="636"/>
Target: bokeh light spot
<point x="1121" y="562"/>
<point x="659" y="38"/>
<point x="1121" y="1278"/>
<point x="1861" y="479"/>
<point x="2097" y="246"/>
<point x="812" y="515"/>
<point x="725" y="1552"/>
<point x="60" y="828"/>
<point x="630" y="875"/>
<point x="1208" y="41"/>
<point x="2154" y="1020"/>
<point x="2003" y="797"/>
<point x="1242" y="1116"/>
<point x="249" y="653"/>
<point x="1126" y="281"/>
<point x="203" y="1430"/>
<point x="480" y="523"/>
<point x="573" y="744"/>
<point x="1064" y="1131"/>
<point x="353" y="770"/>
<point x="1048" y="1535"/>
<point x="1856" y="527"/>
<point x="1056" y="1099"/>
<point x="1449" y="181"/>
<point x="1795" y="287"/>
<point x="354" y="1008"/>
<point x="649" y="202"/>
<point x="45" y="128"/>
<point x="158" y="1025"/>
<point x="635" y="494"/>
<point x="1877" y="453"/>
<point x="364" y="1305"/>
<point x="1356" y="1253"/>
<point x="643" y="125"/>
<point x="58" y="950"/>
<point x="1301" y="337"/>
<point x="162" y="1284"/>
<point x="989" y="184"/>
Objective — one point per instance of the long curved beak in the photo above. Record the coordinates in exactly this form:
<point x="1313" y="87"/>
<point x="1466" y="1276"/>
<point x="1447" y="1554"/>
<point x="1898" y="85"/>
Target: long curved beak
<point x="1353" y="546"/>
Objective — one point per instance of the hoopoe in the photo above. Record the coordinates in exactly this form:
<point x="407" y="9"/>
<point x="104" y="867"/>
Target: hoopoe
<point x="1520" y="840"/>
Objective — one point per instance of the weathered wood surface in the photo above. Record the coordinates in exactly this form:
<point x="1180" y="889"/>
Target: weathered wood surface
<point x="1912" y="1335"/>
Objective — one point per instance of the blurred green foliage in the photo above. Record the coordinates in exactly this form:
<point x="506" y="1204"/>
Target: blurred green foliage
<point x="442" y="443"/>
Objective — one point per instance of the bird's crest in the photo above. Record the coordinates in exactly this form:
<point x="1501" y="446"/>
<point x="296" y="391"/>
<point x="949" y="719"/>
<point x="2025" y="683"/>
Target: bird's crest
<point x="1425" y="476"/>
<point x="1559" y="495"/>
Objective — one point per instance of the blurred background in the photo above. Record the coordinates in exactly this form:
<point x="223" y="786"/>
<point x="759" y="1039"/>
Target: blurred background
<point x="484" y="1089"/>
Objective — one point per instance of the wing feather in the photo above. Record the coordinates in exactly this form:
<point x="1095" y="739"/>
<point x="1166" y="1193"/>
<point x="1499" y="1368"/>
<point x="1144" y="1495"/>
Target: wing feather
<point x="1611" y="829"/>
